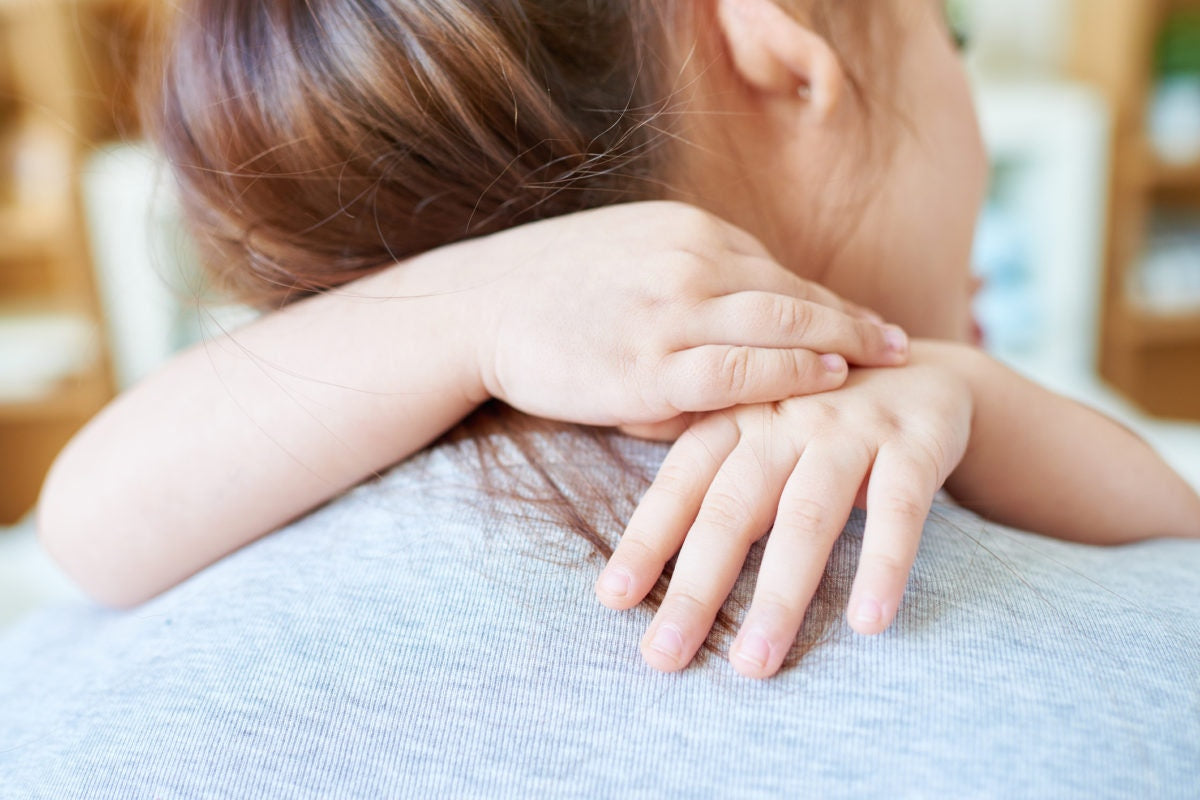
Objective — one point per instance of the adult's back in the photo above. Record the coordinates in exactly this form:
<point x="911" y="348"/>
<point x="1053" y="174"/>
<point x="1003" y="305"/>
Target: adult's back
<point x="424" y="634"/>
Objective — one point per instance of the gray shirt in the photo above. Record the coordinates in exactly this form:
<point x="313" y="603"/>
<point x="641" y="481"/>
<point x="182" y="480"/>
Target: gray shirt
<point x="423" y="637"/>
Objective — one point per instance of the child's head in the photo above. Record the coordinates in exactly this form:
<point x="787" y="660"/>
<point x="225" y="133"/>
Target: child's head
<point x="318" y="140"/>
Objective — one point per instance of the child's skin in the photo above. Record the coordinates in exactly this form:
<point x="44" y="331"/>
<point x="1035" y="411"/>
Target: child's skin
<point x="236" y="437"/>
<point x="774" y="118"/>
<point x="1003" y="446"/>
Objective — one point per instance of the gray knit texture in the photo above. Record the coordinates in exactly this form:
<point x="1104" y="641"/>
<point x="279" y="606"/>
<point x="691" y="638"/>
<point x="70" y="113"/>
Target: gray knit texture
<point x="419" y="638"/>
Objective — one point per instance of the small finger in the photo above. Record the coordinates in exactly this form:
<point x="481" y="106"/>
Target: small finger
<point x="713" y="377"/>
<point x="767" y="319"/>
<point x="737" y="510"/>
<point x="665" y="512"/>
<point x="813" y="509"/>
<point x="899" y="497"/>
<point x="763" y="273"/>
<point x="666" y="431"/>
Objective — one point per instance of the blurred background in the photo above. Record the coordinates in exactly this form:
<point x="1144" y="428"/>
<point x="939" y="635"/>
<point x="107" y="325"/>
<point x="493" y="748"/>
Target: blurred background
<point x="1089" y="246"/>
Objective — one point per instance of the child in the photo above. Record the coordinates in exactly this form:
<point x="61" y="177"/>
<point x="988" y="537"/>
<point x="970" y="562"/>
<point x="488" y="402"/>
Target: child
<point x="317" y="143"/>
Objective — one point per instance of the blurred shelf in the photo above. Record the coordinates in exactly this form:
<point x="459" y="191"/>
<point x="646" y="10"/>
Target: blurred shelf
<point x="66" y="84"/>
<point x="46" y="357"/>
<point x="26" y="232"/>
<point x="1151" y="327"/>
<point x="1150" y="354"/>
<point x="72" y="399"/>
<point x="1149" y="172"/>
<point x="10" y="6"/>
<point x="1171" y="176"/>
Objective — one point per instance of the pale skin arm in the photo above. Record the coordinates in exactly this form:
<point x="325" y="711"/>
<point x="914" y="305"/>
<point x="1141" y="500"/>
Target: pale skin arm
<point x="232" y="439"/>
<point x="241" y="435"/>
<point x="1039" y="461"/>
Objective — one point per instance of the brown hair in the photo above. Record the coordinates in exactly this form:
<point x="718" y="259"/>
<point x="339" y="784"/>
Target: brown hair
<point x="317" y="141"/>
<point x="320" y="141"/>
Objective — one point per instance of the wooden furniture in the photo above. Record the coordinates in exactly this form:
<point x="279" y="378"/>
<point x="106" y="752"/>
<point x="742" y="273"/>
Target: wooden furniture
<point x="1151" y="356"/>
<point x="64" y="88"/>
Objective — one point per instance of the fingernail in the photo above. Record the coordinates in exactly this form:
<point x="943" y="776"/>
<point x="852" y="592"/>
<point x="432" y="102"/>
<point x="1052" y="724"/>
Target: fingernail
<point x="668" y="642"/>
<point x="833" y="363"/>
<point x="615" y="583"/>
<point x="897" y="339"/>
<point x="754" y="650"/>
<point x="868" y="612"/>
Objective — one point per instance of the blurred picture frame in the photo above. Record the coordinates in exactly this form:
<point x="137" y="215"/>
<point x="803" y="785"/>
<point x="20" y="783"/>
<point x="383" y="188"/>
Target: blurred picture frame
<point x="1041" y="241"/>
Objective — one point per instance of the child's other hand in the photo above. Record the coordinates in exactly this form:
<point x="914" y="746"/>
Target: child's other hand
<point x="891" y="437"/>
<point x="635" y="314"/>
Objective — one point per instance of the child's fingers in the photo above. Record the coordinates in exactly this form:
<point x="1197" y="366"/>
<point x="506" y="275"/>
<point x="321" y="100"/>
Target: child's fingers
<point x="736" y="511"/>
<point x="766" y="319"/>
<point x="899" y="497"/>
<point x="667" y="431"/>
<point x="719" y="376"/>
<point x="813" y="509"/>
<point x="759" y="271"/>
<point x="665" y="512"/>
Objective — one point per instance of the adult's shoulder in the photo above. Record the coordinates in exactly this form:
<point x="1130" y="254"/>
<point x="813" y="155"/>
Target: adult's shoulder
<point x="435" y="630"/>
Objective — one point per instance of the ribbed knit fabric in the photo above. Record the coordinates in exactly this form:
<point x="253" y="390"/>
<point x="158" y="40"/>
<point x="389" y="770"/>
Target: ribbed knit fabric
<point x="418" y="639"/>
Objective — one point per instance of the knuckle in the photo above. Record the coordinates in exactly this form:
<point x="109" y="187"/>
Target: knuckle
<point x="635" y="549"/>
<point x="694" y="229"/>
<point x="686" y="601"/>
<point x="888" y="421"/>
<point x="885" y="564"/>
<point x="806" y="370"/>
<point x="771" y="604"/>
<point x="904" y="508"/>
<point x="679" y="271"/>
<point x="792" y="317"/>
<point x="805" y="516"/>
<point x="822" y="415"/>
<point x="726" y="513"/>
<point x="932" y="452"/>
<point x="918" y="460"/>
<point x="673" y="481"/>
<point x="691" y="217"/>
<point x="734" y="373"/>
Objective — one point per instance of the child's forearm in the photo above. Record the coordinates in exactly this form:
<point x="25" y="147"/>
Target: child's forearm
<point x="625" y="315"/>
<point x="1041" y="462"/>
<point x="264" y="425"/>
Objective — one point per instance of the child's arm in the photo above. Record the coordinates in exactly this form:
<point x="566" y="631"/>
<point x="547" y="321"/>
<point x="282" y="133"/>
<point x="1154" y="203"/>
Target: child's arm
<point x="1042" y="462"/>
<point x="888" y="440"/>
<point x="624" y="315"/>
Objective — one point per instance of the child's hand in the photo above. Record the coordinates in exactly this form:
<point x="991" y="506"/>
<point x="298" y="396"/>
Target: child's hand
<point x="634" y="314"/>
<point x="890" y="437"/>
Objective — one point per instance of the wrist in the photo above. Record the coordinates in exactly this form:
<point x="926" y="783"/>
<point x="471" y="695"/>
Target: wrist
<point x="968" y="362"/>
<point x="957" y="355"/>
<point x="448" y="288"/>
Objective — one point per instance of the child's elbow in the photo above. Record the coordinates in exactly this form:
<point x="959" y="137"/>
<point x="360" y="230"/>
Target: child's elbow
<point x="78" y="540"/>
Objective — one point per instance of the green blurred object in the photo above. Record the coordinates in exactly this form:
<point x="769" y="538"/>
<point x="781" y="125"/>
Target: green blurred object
<point x="957" y="18"/>
<point x="1178" y="51"/>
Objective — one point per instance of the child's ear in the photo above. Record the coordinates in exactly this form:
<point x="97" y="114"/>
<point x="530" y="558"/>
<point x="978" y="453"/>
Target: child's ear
<point x="778" y="55"/>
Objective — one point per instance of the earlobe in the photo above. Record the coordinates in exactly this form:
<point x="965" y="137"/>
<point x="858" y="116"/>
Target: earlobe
<point x="778" y="55"/>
